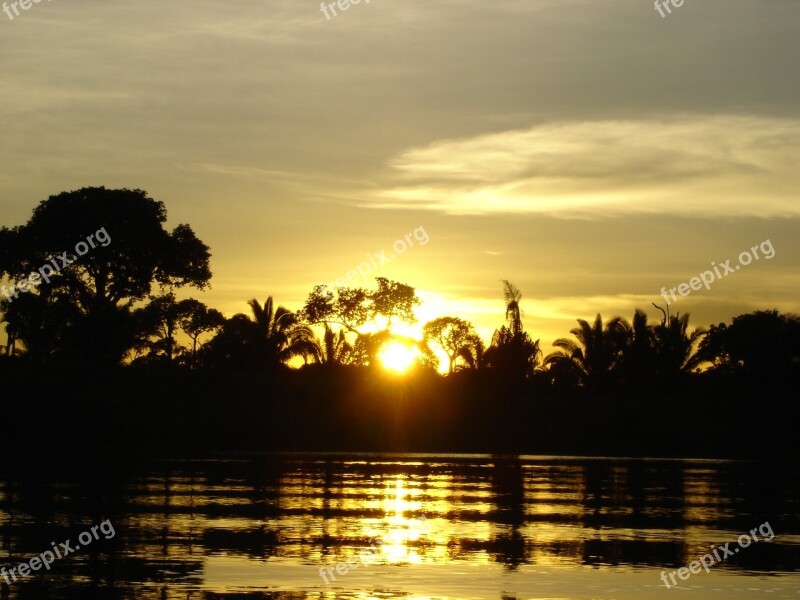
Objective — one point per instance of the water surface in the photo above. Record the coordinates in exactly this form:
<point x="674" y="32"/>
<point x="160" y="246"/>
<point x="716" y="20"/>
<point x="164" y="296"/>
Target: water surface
<point x="427" y="527"/>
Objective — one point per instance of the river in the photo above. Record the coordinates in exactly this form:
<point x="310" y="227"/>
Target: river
<point x="405" y="526"/>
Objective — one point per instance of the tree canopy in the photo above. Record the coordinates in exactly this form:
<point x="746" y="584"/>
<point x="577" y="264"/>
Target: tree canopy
<point x="95" y="285"/>
<point x="94" y="276"/>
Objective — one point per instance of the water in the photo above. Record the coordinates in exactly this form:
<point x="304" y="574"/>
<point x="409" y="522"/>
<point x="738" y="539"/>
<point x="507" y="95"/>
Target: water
<point x="442" y="527"/>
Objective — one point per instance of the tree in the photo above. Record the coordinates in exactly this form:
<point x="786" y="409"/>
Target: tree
<point x="512" y="297"/>
<point x="333" y="349"/>
<point x="675" y="348"/>
<point x="764" y="343"/>
<point x="164" y="316"/>
<point x="108" y="274"/>
<point x="41" y="323"/>
<point x="473" y="354"/>
<point x="279" y="332"/>
<point x="160" y="320"/>
<point x="353" y="308"/>
<point x="638" y="365"/>
<point x="454" y="336"/>
<point x="236" y="344"/>
<point x="513" y="353"/>
<point x="197" y="319"/>
<point x="596" y="355"/>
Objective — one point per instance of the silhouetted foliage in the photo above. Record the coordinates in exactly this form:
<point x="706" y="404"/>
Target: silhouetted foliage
<point x="595" y="358"/>
<point x="164" y="317"/>
<point x="615" y="378"/>
<point x="639" y="358"/>
<point x="641" y="355"/>
<point x="84" y="311"/>
<point x="352" y="308"/>
<point x="333" y="349"/>
<point x="267" y="340"/>
<point x="762" y="343"/>
<point x="455" y="337"/>
<point x="512" y="355"/>
<point x="473" y="353"/>
<point x="676" y="349"/>
<point x="197" y="319"/>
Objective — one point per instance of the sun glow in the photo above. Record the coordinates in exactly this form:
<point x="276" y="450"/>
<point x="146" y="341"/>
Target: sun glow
<point x="398" y="357"/>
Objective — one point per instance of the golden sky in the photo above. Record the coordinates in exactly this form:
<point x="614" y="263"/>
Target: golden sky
<point x="590" y="152"/>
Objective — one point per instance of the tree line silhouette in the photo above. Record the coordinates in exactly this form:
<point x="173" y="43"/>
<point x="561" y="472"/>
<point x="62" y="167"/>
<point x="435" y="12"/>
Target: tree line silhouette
<point x="100" y="315"/>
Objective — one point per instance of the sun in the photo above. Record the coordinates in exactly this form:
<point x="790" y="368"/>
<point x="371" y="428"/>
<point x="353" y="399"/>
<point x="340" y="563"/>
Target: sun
<point x="398" y="357"/>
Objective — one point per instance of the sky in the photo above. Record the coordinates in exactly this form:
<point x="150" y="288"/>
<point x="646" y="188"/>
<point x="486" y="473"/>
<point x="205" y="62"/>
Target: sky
<point x="589" y="152"/>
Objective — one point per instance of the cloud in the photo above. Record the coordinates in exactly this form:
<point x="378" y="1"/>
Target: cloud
<point x="235" y="170"/>
<point x="723" y="166"/>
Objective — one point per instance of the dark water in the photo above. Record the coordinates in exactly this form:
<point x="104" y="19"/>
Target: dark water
<point x="439" y="526"/>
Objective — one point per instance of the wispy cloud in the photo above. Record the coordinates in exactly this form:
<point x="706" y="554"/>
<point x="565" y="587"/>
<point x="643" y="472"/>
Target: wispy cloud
<point x="235" y="170"/>
<point x="746" y="165"/>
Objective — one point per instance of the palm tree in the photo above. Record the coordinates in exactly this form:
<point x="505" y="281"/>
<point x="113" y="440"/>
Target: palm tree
<point x="280" y="335"/>
<point x="512" y="352"/>
<point x="334" y="349"/>
<point x="596" y="355"/>
<point x="676" y="348"/>
<point x="638" y="355"/>
<point x="512" y="297"/>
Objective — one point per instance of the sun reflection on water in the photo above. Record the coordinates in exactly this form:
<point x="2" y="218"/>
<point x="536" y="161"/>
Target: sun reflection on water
<point x="229" y="528"/>
<point x="400" y="542"/>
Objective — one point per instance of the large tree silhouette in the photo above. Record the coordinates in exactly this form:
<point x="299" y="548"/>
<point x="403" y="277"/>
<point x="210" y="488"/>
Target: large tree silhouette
<point x="95" y="292"/>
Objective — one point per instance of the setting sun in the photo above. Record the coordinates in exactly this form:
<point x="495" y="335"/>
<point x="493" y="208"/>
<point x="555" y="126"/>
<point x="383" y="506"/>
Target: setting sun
<point x="398" y="357"/>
